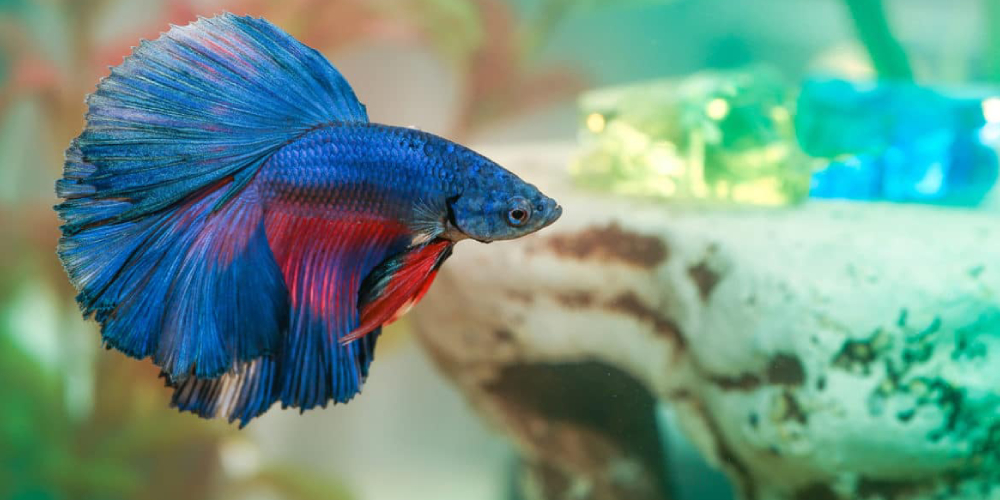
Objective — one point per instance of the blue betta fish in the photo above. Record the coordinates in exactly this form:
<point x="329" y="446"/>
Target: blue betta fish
<point x="231" y="213"/>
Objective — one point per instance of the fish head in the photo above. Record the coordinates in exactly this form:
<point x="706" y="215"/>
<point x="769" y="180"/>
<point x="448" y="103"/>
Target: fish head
<point x="500" y="206"/>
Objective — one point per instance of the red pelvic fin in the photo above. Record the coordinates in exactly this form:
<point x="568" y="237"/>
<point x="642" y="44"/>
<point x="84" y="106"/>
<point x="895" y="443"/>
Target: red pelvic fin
<point x="397" y="284"/>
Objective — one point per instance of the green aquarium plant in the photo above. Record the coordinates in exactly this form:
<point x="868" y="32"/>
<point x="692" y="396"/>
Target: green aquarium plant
<point x="125" y="445"/>
<point x="872" y="27"/>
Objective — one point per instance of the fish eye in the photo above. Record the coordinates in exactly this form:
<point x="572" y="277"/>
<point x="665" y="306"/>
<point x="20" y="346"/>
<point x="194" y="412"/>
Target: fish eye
<point x="518" y="216"/>
<point x="519" y="211"/>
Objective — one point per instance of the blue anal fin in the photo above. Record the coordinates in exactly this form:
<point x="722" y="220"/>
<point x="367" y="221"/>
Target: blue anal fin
<point x="250" y="388"/>
<point x="241" y="394"/>
<point x="324" y="262"/>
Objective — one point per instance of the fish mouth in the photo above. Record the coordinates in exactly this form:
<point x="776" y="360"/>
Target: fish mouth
<point x="556" y="214"/>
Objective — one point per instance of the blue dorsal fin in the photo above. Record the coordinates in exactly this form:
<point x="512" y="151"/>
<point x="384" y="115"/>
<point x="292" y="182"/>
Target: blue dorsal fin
<point x="204" y="102"/>
<point x="163" y="231"/>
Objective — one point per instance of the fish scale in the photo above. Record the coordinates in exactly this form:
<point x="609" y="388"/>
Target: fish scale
<point x="403" y="164"/>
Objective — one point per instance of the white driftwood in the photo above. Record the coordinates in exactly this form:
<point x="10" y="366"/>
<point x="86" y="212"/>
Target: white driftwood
<point x="827" y="351"/>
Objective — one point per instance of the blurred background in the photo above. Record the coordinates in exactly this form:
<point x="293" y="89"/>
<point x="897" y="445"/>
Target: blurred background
<point x="79" y="422"/>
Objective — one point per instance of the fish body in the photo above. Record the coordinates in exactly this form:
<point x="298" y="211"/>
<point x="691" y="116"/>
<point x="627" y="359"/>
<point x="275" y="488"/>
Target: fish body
<point x="230" y="212"/>
<point x="400" y="175"/>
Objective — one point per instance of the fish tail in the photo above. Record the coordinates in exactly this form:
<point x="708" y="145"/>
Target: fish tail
<point x="163" y="232"/>
<point x="194" y="289"/>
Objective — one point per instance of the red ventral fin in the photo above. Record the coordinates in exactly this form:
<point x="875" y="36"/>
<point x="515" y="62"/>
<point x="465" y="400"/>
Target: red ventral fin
<point x="397" y="284"/>
<point x="324" y="261"/>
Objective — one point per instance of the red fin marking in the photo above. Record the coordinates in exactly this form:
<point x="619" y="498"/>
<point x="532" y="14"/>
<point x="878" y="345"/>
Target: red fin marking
<point x="318" y="254"/>
<point x="324" y="262"/>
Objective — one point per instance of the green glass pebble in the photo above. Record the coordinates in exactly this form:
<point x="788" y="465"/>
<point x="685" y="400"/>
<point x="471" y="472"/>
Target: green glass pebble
<point x="713" y="136"/>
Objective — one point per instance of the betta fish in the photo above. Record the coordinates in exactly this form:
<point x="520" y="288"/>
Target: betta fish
<point x="230" y="212"/>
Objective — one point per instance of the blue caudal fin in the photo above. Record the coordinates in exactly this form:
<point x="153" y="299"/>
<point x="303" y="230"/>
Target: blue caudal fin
<point x="192" y="288"/>
<point x="163" y="234"/>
